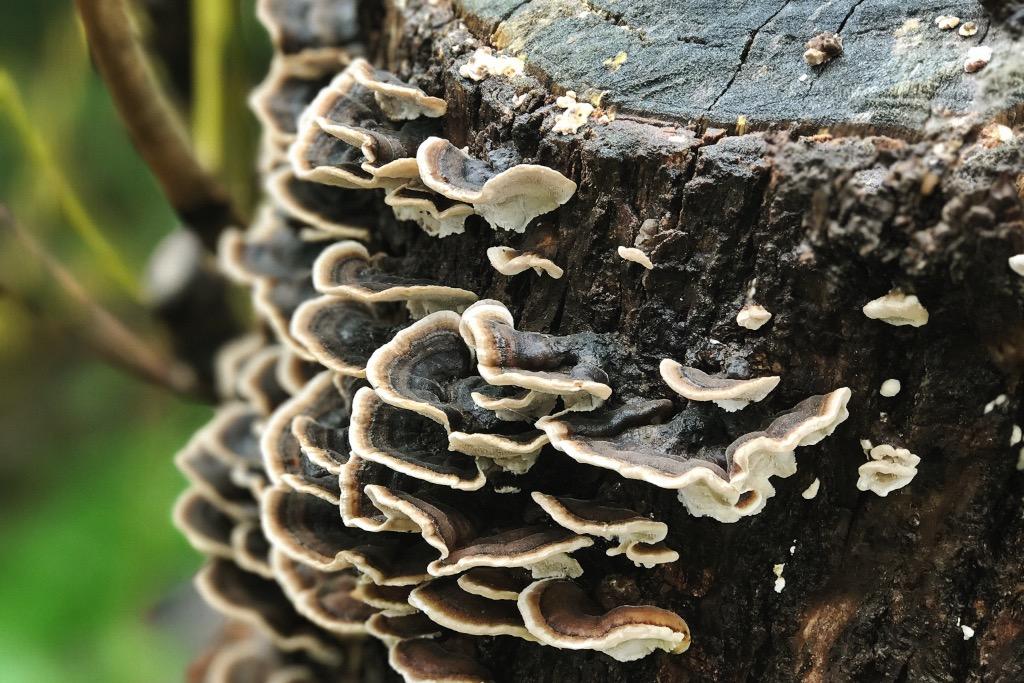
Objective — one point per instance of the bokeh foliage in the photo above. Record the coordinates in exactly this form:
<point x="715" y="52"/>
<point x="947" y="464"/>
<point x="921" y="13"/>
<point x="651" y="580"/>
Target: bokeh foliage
<point x="93" y="577"/>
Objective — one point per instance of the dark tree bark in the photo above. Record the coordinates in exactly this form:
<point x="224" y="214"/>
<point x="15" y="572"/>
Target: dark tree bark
<point x="902" y="194"/>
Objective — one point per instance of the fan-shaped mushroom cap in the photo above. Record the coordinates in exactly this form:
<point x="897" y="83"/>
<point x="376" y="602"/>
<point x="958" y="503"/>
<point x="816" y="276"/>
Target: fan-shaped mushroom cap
<point x="291" y="84"/>
<point x="393" y="600"/>
<point x="441" y="526"/>
<point x="495" y="583"/>
<point x="212" y="477"/>
<point x="398" y="100"/>
<point x="293" y="371"/>
<point x="408" y="371"/>
<point x="423" y="660"/>
<point x="357" y="510"/>
<point x="514" y="453"/>
<point x="525" y="405"/>
<point x="251" y="549"/>
<point x="276" y="301"/>
<point x="890" y="469"/>
<point x="318" y="157"/>
<point x="258" y="381"/>
<point x="344" y="269"/>
<point x="391" y="561"/>
<point x="650" y="554"/>
<point x="508" y="199"/>
<point x="509" y="261"/>
<point x="561" y="615"/>
<point x="394" y="628"/>
<point x="728" y="394"/>
<point x="261" y="603"/>
<point x="232" y="434"/>
<point x="448" y="605"/>
<point x="586" y="517"/>
<point x="897" y="308"/>
<point x="231" y="358"/>
<point x="325" y="447"/>
<point x="253" y="660"/>
<point x="542" y="550"/>
<point x="551" y="365"/>
<point x="332" y="212"/>
<point x="340" y="334"/>
<point x="408" y="443"/>
<point x="326" y="599"/>
<point x="437" y="215"/>
<point x="298" y="25"/>
<point x="636" y="256"/>
<point x="308" y="529"/>
<point x="270" y="248"/>
<point x="204" y="525"/>
<point x="323" y="399"/>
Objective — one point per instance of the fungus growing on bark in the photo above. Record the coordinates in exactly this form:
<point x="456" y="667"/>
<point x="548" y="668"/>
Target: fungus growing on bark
<point x="437" y="215"/>
<point x="890" y="468"/>
<point x="340" y="334"/>
<point x="346" y="270"/>
<point x="212" y="477"/>
<point x="514" y="453"/>
<point x="442" y="527"/>
<point x="495" y="583"/>
<point x="889" y="388"/>
<point x="561" y="615"/>
<point x="509" y="261"/>
<point x="394" y="628"/>
<point x="325" y="598"/>
<point x="525" y="405"/>
<point x="408" y="443"/>
<point x="822" y="48"/>
<point x="977" y="59"/>
<point x="574" y="116"/>
<point x="424" y="660"/>
<point x="626" y="527"/>
<point x="447" y="604"/>
<point x="897" y="308"/>
<point x="307" y="528"/>
<point x="729" y="394"/>
<point x="542" y="550"/>
<point x="206" y="527"/>
<point x="291" y="84"/>
<point x="636" y="256"/>
<point x="811" y="491"/>
<point x="1017" y="264"/>
<point x="251" y="548"/>
<point x="649" y="555"/>
<point x="753" y="317"/>
<point x="483" y="63"/>
<point x="398" y="100"/>
<point x="328" y="210"/>
<point x="563" y="366"/>
<point x="258" y="382"/>
<point x="296" y="25"/>
<point x="507" y="199"/>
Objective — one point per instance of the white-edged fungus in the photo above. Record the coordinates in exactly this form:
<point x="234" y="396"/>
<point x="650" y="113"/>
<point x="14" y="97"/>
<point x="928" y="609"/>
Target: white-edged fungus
<point x="968" y="29"/>
<point x="636" y="256"/>
<point x="890" y="469"/>
<point x="574" y="116"/>
<point x="811" y="491"/>
<point x="753" y="317"/>
<point x="947" y="22"/>
<point x="978" y="58"/>
<point x="890" y="388"/>
<point x="483" y="63"/>
<point x="780" y="581"/>
<point x="994" y="403"/>
<point x="1017" y="264"/>
<point x="967" y="631"/>
<point x="729" y="394"/>
<point x="509" y="261"/>
<point x="897" y="308"/>
<point x="1015" y="435"/>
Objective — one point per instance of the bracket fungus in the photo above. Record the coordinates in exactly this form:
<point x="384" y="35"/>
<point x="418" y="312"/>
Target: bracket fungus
<point x="897" y="308"/>
<point x="890" y="469"/>
<point x="494" y="583"/>
<point x="624" y="526"/>
<point x="447" y="604"/>
<point x="437" y="215"/>
<point x="340" y="334"/>
<point x="561" y="615"/>
<point x="507" y="199"/>
<point x="729" y="394"/>
<point x="753" y="317"/>
<point x="636" y="256"/>
<point x="542" y="550"/>
<point x="296" y="25"/>
<point x="509" y="261"/>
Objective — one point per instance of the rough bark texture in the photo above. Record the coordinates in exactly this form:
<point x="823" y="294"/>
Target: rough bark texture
<point x="876" y="588"/>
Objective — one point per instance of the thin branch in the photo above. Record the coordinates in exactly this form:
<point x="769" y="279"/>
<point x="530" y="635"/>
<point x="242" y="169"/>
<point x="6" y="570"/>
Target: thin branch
<point x="108" y="335"/>
<point x="199" y="199"/>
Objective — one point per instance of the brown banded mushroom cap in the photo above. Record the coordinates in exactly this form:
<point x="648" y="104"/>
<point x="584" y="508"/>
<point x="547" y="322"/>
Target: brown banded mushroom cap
<point x="261" y="603"/>
<point x="393" y="600"/>
<point x="445" y="603"/>
<point x="326" y="209"/>
<point x="514" y="453"/>
<point x="291" y="84"/>
<point x="394" y="628"/>
<point x="318" y="157"/>
<point x="339" y="333"/>
<point x="509" y="261"/>
<point x="409" y="443"/>
<point x="442" y="527"/>
<point x="524" y="406"/>
<point x="251" y="549"/>
<point x="437" y="215"/>
<point x="392" y="562"/>
<point x="206" y="527"/>
<point x="357" y="510"/>
<point x="326" y="599"/>
<point x="323" y="446"/>
<point x="307" y="529"/>
<point x="231" y="358"/>
<point x="398" y="100"/>
<point x="212" y="477"/>
<point x="296" y="25"/>
<point x="258" y="381"/>
<point x="508" y="199"/>
<point x="897" y="308"/>
<point x="345" y="269"/>
<point x="648" y="555"/>
<point x="253" y="660"/>
<point x="404" y="371"/>
<point x="890" y="468"/>
<point x="322" y="399"/>
<point x="592" y="519"/>
<point x="494" y="583"/>
<point x="543" y="550"/>
<point x="503" y="355"/>
<point x="424" y="660"/>
<point x="561" y="615"/>
<point x="728" y="394"/>
<point x="293" y="371"/>
<point x="276" y="301"/>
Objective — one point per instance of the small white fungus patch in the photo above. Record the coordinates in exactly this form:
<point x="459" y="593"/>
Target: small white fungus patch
<point x="574" y="116"/>
<point x="947" y="22"/>
<point x="968" y="631"/>
<point x="484" y="63"/>
<point x="780" y="582"/>
<point x="811" y="491"/>
<point x="994" y="403"/>
<point x="1015" y="435"/>
<point x="968" y="29"/>
<point x="753" y="317"/>
<point x="978" y="58"/>
<point x="890" y="388"/>
<point x="1017" y="264"/>
<point x="636" y="256"/>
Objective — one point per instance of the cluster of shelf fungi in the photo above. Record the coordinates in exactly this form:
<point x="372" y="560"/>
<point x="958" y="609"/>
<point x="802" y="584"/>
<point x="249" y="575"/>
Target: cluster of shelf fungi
<point x="368" y="473"/>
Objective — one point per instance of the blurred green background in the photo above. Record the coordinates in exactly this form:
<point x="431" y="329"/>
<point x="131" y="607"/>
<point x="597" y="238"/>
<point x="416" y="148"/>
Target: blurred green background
<point x="93" y="577"/>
